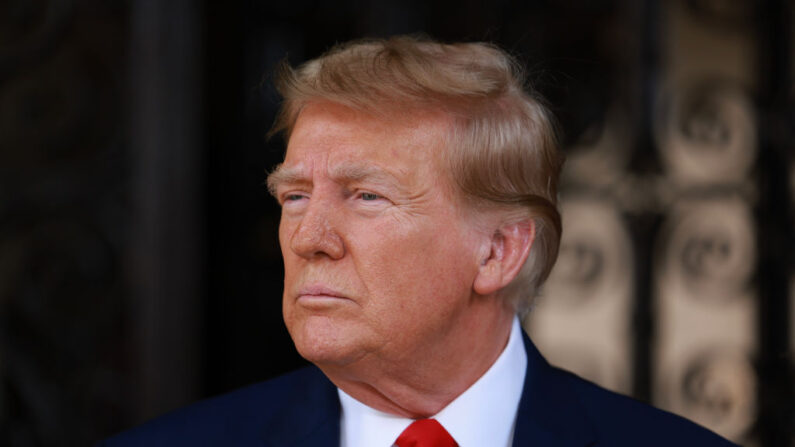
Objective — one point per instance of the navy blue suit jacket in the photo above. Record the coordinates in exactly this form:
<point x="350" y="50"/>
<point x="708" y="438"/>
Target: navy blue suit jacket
<point x="301" y="409"/>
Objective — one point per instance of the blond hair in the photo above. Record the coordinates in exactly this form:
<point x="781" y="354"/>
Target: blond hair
<point x="502" y="151"/>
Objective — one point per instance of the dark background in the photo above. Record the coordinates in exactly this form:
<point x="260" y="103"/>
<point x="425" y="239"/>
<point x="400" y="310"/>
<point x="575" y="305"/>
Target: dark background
<point x="139" y="262"/>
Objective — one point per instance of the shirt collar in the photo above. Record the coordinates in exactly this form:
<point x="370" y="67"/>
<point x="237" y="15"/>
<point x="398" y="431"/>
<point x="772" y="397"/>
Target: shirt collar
<point x="492" y="401"/>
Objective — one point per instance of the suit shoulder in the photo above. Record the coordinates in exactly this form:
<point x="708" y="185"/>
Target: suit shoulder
<point x="238" y="416"/>
<point x="622" y="420"/>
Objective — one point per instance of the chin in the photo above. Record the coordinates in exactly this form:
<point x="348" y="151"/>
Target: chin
<point x="320" y="341"/>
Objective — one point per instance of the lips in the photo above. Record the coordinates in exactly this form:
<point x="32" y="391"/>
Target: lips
<point x="319" y="296"/>
<point x="320" y="291"/>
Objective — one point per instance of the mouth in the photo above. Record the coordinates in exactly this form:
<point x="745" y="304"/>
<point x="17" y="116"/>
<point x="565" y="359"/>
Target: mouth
<point x="319" y="296"/>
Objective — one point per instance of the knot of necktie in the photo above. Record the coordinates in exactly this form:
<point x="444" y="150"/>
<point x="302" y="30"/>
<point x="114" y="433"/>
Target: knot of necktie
<point x="425" y="433"/>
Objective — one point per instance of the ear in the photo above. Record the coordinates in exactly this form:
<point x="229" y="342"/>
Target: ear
<point x="509" y="247"/>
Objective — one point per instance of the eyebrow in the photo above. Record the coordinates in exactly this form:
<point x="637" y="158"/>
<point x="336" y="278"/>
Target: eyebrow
<point x="342" y="173"/>
<point x="284" y="175"/>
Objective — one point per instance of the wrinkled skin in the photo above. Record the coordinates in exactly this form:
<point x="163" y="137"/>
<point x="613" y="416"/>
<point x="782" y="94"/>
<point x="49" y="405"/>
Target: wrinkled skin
<point x="381" y="258"/>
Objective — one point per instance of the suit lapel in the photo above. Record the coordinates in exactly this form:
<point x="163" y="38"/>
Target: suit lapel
<point x="310" y="418"/>
<point x="549" y="412"/>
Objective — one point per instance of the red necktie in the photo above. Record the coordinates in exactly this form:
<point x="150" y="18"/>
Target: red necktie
<point x="425" y="433"/>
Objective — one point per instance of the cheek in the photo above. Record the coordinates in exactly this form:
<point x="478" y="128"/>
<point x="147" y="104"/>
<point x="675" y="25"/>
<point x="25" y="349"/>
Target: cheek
<point x="284" y="229"/>
<point x="424" y="267"/>
<point x="288" y="257"/>
<point x="290" y="272"/>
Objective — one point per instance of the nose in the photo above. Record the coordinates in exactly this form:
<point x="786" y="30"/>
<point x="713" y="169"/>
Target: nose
<point x="316" y="234"/>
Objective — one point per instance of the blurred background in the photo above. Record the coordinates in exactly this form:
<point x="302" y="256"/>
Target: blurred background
<point x="139" y="261"/>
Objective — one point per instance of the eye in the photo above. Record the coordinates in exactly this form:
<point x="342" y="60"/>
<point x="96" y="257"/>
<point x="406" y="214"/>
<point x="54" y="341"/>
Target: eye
<point x="369" y="196"/>
<point x="292" y="197"/>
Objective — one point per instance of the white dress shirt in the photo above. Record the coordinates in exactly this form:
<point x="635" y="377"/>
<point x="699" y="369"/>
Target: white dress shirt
<point x="484" y="415"/>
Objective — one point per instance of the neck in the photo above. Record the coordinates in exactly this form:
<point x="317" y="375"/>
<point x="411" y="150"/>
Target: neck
<point x="421" y="384"/>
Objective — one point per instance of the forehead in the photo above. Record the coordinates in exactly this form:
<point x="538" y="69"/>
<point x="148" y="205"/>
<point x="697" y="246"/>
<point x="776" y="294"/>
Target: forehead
<point x="331" y="133"/>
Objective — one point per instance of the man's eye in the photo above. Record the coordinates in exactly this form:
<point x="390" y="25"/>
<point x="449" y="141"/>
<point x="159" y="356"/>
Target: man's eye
<point x="293" y="197"/>
<point x="370" y="196"/>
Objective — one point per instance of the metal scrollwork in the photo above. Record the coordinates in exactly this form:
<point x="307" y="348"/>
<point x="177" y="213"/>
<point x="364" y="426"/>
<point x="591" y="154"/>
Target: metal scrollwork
<point x="595" y="255"/>
<point x="706" y="132"/>
<point x="717" y="388"/>
<point x="601" y="154"/>
<point x="710" y="249"/>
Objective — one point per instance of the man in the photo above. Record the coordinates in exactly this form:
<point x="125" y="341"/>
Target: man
<point x="418" y="197"/>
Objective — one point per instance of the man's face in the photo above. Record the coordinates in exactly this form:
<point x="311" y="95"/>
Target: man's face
<point x="379" y="259"/>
